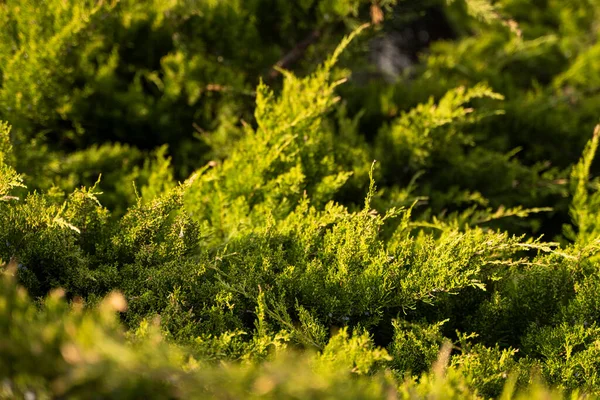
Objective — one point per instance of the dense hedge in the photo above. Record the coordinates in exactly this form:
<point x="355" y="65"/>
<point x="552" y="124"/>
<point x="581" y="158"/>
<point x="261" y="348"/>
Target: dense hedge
<point x="182" y="220"/>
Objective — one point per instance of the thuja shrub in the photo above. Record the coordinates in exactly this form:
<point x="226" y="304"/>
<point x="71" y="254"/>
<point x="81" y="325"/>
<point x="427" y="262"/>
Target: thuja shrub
<point x="538" y="57"/>
<point x="249" y="279"/>
<point x="55" y="349"/>
<point x="122" y="78"/>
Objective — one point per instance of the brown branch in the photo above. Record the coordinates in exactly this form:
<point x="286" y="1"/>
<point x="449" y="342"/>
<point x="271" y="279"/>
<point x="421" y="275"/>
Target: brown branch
<point x="295" y="54"/>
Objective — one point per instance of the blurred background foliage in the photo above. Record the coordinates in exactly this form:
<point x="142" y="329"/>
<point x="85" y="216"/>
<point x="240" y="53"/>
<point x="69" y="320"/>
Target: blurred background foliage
<point x="97" y="87"/>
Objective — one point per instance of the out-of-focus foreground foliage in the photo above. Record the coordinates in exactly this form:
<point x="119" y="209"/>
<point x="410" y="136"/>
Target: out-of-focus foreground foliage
<point x="241" y="242"/>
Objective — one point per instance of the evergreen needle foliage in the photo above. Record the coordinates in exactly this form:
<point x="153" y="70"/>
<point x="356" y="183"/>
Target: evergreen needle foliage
<point x="256" y="257"/>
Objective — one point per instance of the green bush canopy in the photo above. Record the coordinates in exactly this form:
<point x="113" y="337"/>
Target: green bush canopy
<point x="308" y="199"/>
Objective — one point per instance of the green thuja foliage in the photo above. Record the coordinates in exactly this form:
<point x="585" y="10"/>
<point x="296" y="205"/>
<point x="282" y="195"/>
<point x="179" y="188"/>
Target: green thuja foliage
<point x="54" y="350"/>
<point x="186" y="213"/>
<point x="78" y="75"/>
<point x="539" y="57"/>
<point x="584" y="207"/>
<point x="415" y="346"/>
<point x="420" y="133"/>
<point x="10" y="179"/>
